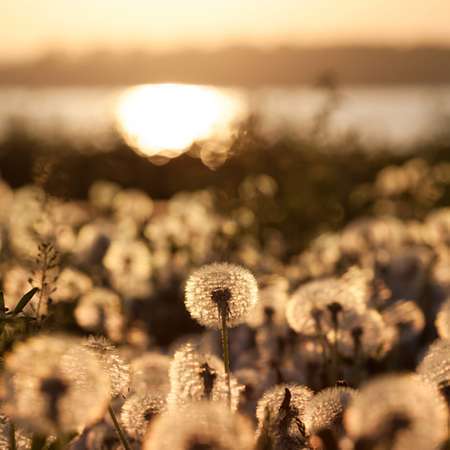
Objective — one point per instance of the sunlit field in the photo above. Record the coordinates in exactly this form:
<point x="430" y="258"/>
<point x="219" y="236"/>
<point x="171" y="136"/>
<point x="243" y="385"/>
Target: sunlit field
<point x="224" y="225"/>
<point x="290" y="294"/>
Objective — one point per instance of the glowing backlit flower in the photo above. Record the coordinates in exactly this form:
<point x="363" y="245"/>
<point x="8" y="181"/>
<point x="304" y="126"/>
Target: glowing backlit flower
<point x="112" y="363"/>
<point x="133" y="204"/>
<point x="272" y="400"/>
<point x="316" y="306"/>
<point x="326" y="408"/>
<point x="150" y="373"/>
<point x="435" y="366"/>
<point x="398" y="412"/>
<point x="220" y="287"/>
<point x="195" y="376"/>
<point x="71" y="284"/>
<point x="52" y="384"/>
<point x="208" y="426"/>
<point x="100" y="310"/>
<point x="138" y="411"/>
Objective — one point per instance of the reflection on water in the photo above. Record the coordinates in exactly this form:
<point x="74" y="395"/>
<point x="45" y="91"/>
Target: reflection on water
<point x="165" y="119"/>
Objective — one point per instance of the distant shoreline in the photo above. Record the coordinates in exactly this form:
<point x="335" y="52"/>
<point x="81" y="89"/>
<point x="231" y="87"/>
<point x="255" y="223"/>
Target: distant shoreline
<point x="238" y="66"/>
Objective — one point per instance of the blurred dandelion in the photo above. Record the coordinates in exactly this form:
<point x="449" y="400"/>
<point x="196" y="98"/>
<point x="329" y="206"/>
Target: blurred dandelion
<point x="113" y="364"/>
<point x="435" y="366"/>
<point x="314" y="307"/>
<point x="208" y="426"/>
<point x="101" y="195"/>
<point x="443" y="320"/>
<point x="363" y="335"/>
<point x="407" y="318"/>
<point x="71" y="285"/>
<point x="100" y="310"/>
<point x="326" y="408"/>
<point x="398" y="412"/>
<point x="195" y="376"/>
<point x="150" y="373"/>
<point x="129" y="266"/>
<point x="64" y="383"/>
<point x="133" y="204"/>
<point x="272" y="299"/>
<point x="138" y="411"/>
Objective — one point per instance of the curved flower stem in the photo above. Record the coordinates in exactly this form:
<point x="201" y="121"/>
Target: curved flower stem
<point x="226" y="351"/>
<point x="12" y="436"/>
<point x="123" y="439"/>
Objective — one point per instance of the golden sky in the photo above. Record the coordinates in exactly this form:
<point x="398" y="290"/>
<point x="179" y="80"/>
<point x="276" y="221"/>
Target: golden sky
<point x="28" y="27"/>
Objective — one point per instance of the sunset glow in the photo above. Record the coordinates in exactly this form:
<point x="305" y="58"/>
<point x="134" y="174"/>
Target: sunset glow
<point x="30" y="27"/>
<point x="167" y="118"/>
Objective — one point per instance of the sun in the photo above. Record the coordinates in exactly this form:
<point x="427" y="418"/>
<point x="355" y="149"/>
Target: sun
<point x="166" y="119"/>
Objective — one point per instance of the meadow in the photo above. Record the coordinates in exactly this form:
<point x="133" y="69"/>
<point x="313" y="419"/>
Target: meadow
<point x="290" y="294"/>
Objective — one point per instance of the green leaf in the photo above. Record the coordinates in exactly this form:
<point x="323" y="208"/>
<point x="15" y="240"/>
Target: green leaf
<point x="24" y="301"/>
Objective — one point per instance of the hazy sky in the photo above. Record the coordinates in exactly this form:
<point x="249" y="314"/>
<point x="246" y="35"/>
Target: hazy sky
<point x="27" y="27"/>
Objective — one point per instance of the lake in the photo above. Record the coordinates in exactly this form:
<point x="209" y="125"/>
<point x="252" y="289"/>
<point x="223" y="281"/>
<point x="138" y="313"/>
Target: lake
<point x="168" y="118"/>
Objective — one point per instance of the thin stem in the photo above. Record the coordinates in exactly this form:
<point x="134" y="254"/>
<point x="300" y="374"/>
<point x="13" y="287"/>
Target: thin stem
<point x="12" y="436"/>
<point x="123" y="439"/>
<point x="226" y="351"/>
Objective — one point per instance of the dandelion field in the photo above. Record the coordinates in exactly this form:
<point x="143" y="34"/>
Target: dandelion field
<point x="292" y="298"/>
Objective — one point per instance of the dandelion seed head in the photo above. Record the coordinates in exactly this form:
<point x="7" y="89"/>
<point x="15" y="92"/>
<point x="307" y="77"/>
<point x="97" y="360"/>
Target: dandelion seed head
<point x="138" y="411"/>
<point x="406" y="317"/>
<point x="220" y="286"/>
<point x="100" y="311"/>
<point x="195" y="376"/>
<point x="435" y="366"/>
<point x="363" y="334"/>
<point x="150" y="373"/>
<point x="443" y="320"/>
<point x="128" y="258"/>
<point x="272" y="400"/>
<point x="64" y="383"/>
<point x="113" y="364"/>
<point x="71" y="284"/>
<point x="101" y="194"/>
<point x="208" y="426"/>
<point x="326" y="408"/>
<point x="312" y="307"/>
<point x="134" y="204"/>
<point x="271" y="304"/>
<point x="398" y="411"/>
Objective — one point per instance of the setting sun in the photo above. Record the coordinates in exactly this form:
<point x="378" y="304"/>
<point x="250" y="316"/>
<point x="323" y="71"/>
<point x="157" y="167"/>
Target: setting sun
<point x="166" y="119"/>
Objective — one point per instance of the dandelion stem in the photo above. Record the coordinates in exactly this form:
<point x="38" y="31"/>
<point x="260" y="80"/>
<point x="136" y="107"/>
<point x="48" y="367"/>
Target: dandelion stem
<point x="123" y="439"/>
<point x="12" y="436"/>
<point x="226" y="351"/>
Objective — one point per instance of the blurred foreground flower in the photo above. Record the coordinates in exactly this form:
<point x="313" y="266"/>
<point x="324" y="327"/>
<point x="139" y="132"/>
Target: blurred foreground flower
<point x="399" y="412"/>
<point x="208" y="426"/>
<point x="51" y="384"/>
